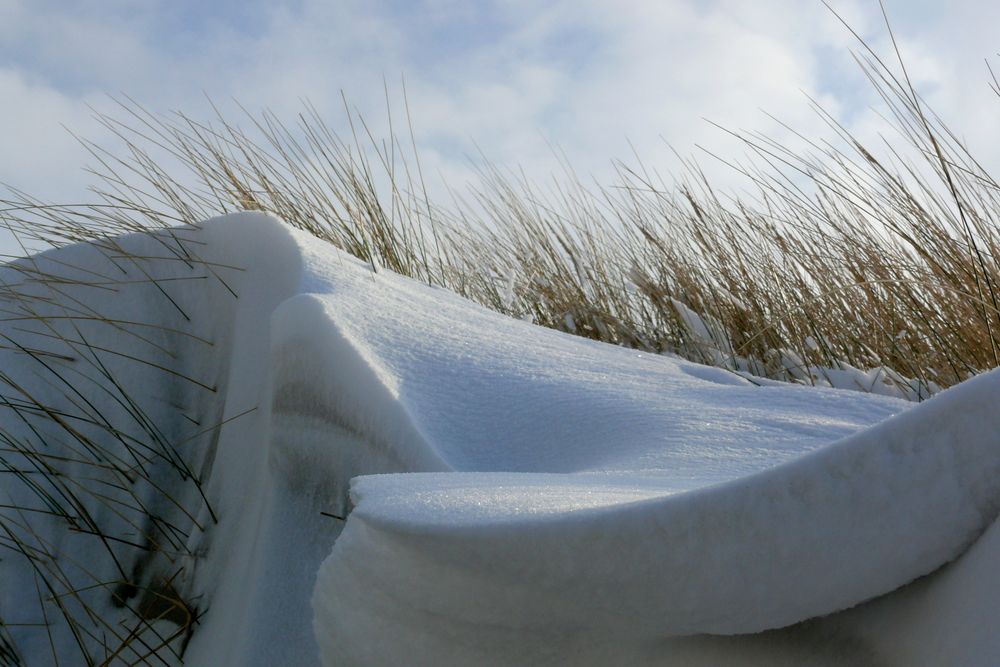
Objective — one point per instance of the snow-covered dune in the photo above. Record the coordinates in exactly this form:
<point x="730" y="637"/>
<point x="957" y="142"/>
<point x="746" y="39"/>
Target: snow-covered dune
<point x="708" y="505"/>
<point x="384" y="473"/>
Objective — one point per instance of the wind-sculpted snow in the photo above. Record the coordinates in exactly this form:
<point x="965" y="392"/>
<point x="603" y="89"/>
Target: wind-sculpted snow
<point x="498" y="559"/>
<point x="721" y="507"/>
<point x="384" y="473"/>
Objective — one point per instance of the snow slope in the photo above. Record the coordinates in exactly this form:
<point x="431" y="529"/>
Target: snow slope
<point x="519" y="496"/>
<point x="692" y="525"/>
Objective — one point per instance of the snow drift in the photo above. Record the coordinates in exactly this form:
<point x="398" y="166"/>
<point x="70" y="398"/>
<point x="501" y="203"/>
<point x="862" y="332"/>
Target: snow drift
<point x="512" y="495"/>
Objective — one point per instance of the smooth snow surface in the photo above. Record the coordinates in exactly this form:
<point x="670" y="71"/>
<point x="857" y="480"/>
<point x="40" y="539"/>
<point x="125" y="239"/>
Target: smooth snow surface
<point x="518" y="496"/>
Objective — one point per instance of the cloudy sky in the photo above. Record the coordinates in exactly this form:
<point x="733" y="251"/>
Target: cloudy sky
<point x="511" y="77"/>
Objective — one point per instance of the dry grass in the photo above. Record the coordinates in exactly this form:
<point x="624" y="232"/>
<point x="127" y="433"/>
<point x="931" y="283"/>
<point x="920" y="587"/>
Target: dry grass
<point x="840" y="260"/>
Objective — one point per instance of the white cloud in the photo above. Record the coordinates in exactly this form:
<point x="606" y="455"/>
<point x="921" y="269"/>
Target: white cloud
<point x="509" y="76"/>
<point x="36" y="153"/>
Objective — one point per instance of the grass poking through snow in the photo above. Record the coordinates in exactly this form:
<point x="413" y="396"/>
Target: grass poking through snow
<point x="841" y="268"/>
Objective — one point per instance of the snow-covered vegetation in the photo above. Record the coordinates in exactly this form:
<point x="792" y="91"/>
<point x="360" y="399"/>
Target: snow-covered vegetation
<point x="342" y="437"/>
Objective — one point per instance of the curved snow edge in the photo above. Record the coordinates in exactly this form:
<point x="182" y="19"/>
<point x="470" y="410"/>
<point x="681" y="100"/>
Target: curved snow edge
<point x="852" y="521"/>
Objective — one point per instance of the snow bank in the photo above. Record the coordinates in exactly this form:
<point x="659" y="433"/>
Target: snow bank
<point x="720" y="507"/>
<point x="519" y="496"/>
<point x="498" y="559"/>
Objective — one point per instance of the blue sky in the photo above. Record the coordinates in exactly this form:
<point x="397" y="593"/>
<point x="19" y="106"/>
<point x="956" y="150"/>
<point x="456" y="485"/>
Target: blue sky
<point x="510" y="77"/>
